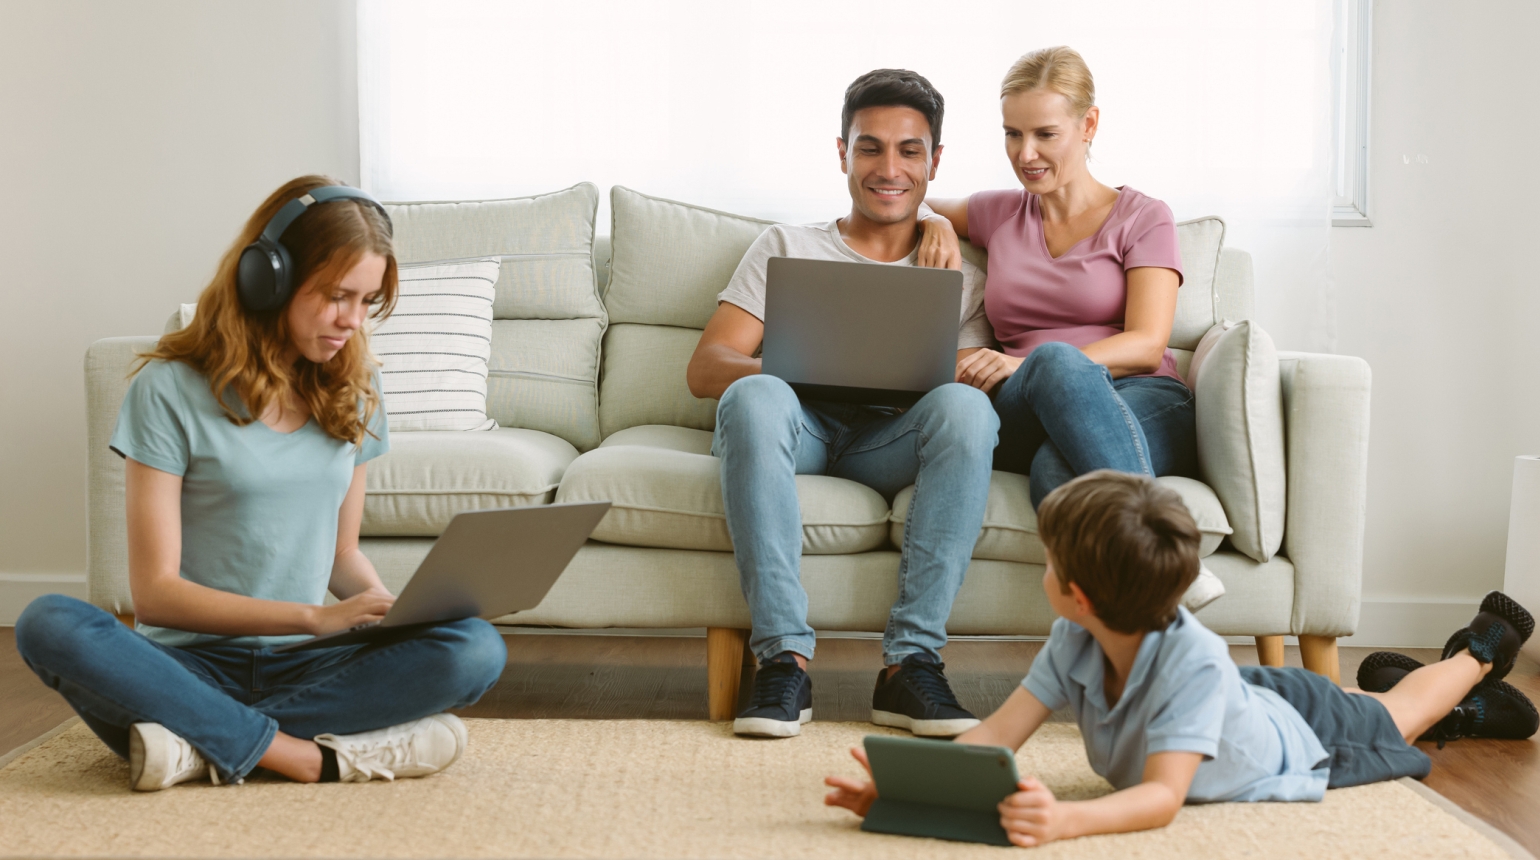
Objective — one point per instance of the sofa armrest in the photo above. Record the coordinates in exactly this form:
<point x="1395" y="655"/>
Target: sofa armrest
<point x="108" y="362"/>
<point x="1326" y="416"/>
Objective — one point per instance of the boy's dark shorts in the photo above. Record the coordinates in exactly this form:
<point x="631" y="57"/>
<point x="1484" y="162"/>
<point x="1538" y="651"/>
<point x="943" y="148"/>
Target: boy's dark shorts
<point x="1364" y="744"/>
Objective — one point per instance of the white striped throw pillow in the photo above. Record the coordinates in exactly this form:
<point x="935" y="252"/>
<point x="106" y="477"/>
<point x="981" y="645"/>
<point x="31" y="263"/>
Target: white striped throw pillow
<point x="435" y="345"/>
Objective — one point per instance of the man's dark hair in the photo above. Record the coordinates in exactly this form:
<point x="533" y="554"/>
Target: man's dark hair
<point x="1129" y="543"/>
<point x="894" y="88"/>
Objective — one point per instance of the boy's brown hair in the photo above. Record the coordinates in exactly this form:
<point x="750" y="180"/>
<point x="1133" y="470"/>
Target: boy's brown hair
<point x="1129" y="543"/>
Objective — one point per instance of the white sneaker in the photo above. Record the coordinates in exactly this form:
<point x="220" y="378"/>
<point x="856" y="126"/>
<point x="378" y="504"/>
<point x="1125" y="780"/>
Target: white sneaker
<point x="418" y="748"/>
<point x="1204" y="590"/>
<point x="159" y="759"/>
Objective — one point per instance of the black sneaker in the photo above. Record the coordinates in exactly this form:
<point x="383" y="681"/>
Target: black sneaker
<point x="783" y="700"/>
<point x="1384" y="669"/>
<point x="1495" y="709"/>
<point x="1494" y="635"/>
<point x="919" y="699"/>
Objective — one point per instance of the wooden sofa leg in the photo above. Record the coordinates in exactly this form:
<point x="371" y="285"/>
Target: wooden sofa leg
<point x="1270" y="650"/>
<point x="127" y="618"/>
<point x="724" y="669"/>
<point x="1319" y="654"/>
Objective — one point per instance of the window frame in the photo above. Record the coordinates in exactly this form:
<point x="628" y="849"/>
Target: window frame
<point x="1351" y="77"/>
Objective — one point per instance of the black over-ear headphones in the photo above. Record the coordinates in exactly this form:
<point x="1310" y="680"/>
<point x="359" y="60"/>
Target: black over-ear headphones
<point x="264" y="279"/>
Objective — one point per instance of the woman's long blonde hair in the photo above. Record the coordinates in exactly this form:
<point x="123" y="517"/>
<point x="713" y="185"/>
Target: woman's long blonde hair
<point x="242" y="353"/>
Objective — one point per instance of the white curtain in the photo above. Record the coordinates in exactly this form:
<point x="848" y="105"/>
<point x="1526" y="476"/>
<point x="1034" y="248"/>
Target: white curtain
<point x="1215" y="106"/>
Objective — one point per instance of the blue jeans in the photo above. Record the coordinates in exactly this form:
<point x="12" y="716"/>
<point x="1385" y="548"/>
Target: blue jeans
<point x="1063" y="415"/>
<point x="229" y="702"/>
<point x="943" y="445"/>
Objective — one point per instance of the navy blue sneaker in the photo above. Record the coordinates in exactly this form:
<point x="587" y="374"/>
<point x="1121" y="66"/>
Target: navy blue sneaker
<point x="918" y="698"/>
<point x="783" y="700"/>
<point x="1494" y="635"/>
<point x="1495" y="709"/>
<point x="1384" y="669"/>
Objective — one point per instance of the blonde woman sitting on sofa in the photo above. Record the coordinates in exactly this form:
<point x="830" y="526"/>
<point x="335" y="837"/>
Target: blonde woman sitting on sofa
<point x="1081" y="292"/>
<point x="246" y="437"/>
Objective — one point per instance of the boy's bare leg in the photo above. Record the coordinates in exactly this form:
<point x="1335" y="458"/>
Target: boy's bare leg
<point x="1427" y="695"/>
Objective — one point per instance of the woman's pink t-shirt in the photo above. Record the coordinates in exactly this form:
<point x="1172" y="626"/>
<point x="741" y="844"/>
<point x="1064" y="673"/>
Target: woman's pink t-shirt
<point x="1081" y="297"/>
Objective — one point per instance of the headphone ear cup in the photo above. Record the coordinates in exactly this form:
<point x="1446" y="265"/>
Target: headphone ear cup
<point x="262" y="276"/>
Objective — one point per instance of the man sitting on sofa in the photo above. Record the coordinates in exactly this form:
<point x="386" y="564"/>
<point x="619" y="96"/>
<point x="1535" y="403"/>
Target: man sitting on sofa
<point x="889" y="148"/>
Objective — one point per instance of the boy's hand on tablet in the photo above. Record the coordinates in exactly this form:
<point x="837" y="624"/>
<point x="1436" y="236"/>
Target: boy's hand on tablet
<point x="1032" y="816"/>
<point x="853" y="794"/>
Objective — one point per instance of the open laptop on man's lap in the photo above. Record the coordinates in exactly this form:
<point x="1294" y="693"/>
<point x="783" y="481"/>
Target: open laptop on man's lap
<point x="860" y="332"/>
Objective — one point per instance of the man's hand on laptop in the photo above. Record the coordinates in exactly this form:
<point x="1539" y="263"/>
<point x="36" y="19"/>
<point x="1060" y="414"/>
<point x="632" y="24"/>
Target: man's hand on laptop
<point x="939" y="248"/>
<point x="361" y="608"/>
<point x="985" y="369"/>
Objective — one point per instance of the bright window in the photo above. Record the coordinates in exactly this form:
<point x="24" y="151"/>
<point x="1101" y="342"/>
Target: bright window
<point x="1216" y="106"/>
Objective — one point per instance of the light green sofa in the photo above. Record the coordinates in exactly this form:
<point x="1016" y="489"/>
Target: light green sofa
<point x="588" y="385"/>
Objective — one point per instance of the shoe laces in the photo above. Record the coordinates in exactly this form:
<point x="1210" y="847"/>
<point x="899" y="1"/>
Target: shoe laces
<point x="774" y="682"/>
<point x="926" y="679"/>
<point x="381" y="757"/>
<point x="1460" y="723"/>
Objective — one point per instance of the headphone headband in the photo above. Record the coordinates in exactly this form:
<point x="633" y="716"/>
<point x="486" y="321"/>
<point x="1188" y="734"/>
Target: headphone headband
<point x="299" y="205"/>
<point x="264" y="277"/>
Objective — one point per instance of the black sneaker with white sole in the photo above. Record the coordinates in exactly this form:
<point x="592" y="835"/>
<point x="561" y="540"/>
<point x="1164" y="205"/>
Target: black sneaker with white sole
<point x="918" y="698"/>
<point x="783" y="700"/>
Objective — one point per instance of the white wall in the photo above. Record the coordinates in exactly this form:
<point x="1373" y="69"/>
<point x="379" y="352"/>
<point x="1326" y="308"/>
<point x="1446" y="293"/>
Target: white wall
<point x="137" y="138"/>
<point x="1440" y="296"/>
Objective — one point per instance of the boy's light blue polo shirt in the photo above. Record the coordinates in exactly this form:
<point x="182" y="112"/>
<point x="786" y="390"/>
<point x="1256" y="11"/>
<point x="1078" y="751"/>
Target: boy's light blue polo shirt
<point x="1183" y="695"/>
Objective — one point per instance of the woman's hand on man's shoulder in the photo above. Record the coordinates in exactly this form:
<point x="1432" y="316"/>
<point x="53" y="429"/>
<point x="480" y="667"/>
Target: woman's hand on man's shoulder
<point x="939" y="247"/>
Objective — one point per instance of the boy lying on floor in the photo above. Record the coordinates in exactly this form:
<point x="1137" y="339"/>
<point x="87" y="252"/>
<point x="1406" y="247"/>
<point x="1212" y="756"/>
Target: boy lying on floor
<point x="1168" y="718"/>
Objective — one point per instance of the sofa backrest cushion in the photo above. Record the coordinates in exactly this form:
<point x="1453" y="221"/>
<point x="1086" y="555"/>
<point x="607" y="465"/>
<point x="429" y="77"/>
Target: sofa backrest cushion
<point x="548" y="318"/>
<point x="668" y="262"/>
<point x="1197" y="302"/>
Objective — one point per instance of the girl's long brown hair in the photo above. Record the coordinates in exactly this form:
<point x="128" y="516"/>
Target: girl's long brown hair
<point x="242" y="353"/>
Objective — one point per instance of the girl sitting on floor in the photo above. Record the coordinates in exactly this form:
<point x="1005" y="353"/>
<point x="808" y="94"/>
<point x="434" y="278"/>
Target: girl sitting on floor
<point x="247" y="436"/>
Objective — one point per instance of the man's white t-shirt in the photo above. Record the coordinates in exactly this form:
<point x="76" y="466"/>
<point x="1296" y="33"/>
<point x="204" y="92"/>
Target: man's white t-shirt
<point x="823" y="242"/>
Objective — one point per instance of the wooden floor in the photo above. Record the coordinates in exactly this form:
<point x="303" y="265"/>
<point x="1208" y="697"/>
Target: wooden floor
<point x="650" y="677"/>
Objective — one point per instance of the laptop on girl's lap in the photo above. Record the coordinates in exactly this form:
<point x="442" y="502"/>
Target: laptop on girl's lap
<point x="486" y="564"/>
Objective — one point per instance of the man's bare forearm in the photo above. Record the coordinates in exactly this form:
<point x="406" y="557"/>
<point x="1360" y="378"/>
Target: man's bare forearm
<point x="715" y="367"/>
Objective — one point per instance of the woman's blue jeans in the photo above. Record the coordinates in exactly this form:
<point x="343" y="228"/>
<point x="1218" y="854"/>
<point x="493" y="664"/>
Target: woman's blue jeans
<point x="229" y="702"/>
<point x="1063" y="415"/>
<point x="943" y="445"/>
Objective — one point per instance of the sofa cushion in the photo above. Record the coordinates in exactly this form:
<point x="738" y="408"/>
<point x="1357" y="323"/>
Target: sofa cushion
<point x="670" y="259"/>
<point x="429" y="476"/>
<point x="548" y="316"/>
<point x="673" y="499"/>
<point x="644" y="379"/>
<point x="668" y="262"/>
<point x="1239" y="404"/>
<point x="1197" y="303"/>
<point x="662" y="436"/>
<point x="1010" y="524"/>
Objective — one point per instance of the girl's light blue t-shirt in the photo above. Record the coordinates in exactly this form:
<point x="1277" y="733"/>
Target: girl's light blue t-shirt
<point x="259" y="507"/>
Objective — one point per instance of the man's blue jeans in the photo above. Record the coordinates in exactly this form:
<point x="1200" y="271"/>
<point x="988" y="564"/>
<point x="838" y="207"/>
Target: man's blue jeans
<point x="943" y="445"/>
<point x="1063" y="415"/>
<point x="229" y="702"/>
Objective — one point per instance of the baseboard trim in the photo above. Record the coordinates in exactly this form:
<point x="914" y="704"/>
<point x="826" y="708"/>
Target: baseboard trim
<point x="1410" y="622"/>
<point x="19" y="589"/>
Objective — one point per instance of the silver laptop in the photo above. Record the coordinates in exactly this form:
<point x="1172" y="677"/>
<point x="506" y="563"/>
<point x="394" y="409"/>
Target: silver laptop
<point x="486" y="564"/>
<point x="861" y="332"/>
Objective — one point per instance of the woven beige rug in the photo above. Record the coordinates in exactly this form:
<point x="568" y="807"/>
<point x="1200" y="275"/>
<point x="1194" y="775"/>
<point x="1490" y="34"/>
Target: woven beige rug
<point x="642" y="789"/>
